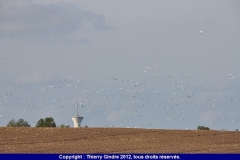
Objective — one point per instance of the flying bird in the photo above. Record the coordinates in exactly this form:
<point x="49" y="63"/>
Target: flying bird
<point x="201" y="32"/>
<point x="231" y="76"/>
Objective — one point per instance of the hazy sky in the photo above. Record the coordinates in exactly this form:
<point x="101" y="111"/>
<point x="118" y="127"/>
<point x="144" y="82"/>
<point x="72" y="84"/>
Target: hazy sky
<point x="130" y="63"/>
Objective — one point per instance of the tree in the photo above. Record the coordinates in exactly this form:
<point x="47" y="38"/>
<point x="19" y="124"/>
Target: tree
<point x="19" y="123"/>
<point x="202" y="128"/>
<point x="47" y="122"/>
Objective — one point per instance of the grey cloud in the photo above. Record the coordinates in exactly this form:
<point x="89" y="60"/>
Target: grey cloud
<point x="27" y="18"/>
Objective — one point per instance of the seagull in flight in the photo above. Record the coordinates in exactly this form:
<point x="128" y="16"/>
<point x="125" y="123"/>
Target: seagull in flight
<point x="201" y="32"/>
<point x="212" y="101"/>
<point x="231" y="76"/>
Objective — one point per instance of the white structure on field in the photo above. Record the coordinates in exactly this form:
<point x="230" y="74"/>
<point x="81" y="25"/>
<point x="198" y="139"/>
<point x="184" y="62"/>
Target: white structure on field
<point x="76" y="119"/>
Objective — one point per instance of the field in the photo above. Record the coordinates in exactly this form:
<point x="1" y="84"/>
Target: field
<point x="116" y="140"/>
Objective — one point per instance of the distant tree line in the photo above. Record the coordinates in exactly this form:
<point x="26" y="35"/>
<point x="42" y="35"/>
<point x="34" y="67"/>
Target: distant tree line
<point x="46" y="122"/>
<point x="19" y="123"/>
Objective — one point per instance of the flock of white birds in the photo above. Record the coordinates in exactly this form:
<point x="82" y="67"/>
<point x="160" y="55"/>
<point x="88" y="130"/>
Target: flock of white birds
<point x="152" y="101"/>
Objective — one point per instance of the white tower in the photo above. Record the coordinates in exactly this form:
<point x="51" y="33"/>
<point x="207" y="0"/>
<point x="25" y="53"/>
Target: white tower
<point x="76" y="119"/>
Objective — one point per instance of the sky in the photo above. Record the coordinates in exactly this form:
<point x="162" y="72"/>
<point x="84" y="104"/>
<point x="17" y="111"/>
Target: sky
<point x="136" y="64"/>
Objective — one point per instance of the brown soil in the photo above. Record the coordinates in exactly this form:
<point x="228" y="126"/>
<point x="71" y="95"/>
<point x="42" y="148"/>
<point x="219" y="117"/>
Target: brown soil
<point x="116" y="140"/>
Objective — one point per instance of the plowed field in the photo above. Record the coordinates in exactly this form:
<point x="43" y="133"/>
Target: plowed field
<point x="116" y="140"/>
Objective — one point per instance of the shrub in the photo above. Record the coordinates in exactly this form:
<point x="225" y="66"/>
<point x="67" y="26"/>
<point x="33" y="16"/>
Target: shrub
<point x="202" y="128"/>
<point x="64" y="126"/>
